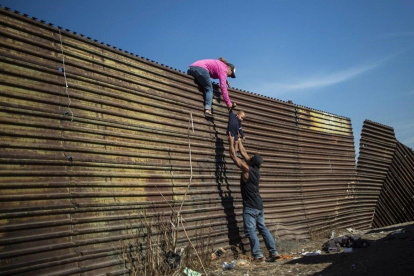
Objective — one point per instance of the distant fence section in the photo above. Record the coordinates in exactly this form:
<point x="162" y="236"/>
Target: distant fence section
<point x="396" y="201"/>
<point x="376" y="150"/>
<point x="92" y="135"/>
<point x="385" y="172"/>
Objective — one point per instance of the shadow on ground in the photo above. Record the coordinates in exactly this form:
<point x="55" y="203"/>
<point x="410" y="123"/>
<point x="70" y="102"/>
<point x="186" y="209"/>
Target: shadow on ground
<point x="390" y="255"/>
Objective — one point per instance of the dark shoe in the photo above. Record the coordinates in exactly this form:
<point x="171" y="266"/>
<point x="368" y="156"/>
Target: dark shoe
<point x="259" y="260"/>
<point x="272" y="258"/>
<point x="208" y="114"/>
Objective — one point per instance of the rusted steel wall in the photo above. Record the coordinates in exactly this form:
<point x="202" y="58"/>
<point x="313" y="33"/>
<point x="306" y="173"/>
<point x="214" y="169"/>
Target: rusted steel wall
<point x="376" y="150"/>
<point x="385" y="177"/>
<point x="72" y="186"/>
<point x="396" y="201"/>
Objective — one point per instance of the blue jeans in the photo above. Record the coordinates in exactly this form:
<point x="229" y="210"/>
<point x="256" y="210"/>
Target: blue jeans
<point x="253" y="218"/>
<point x="203" y="78"/>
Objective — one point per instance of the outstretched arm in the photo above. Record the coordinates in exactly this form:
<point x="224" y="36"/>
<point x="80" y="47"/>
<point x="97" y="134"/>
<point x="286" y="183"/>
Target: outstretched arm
<point x="239" y="163"/>
<point x="243" y="152"/>
<point x="223" y="88"/>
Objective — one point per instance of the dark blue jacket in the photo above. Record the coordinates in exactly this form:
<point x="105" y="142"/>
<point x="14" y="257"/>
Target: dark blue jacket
<point x="234" y="127"/>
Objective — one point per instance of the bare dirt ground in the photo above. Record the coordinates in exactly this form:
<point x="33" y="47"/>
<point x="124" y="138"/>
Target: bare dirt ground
<point x="390" y="253"/>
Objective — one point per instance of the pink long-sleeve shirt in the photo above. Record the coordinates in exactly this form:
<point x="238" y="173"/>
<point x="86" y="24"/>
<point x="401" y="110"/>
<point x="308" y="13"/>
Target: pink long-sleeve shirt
<point x="217" y="70"/>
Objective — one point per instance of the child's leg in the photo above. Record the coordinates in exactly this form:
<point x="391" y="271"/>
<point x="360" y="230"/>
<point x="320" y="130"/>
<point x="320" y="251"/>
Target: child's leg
<point x="236" y="148"/>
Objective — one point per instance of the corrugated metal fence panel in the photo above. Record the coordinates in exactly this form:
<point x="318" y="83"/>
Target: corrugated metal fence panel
<point x="72" y="187"/>
<point x="327" y="168"/>
<point x="376" y="152"/>
<point x="396" y="201"/>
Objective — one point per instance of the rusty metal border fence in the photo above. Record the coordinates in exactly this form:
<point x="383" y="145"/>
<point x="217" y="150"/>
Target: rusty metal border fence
<point x="396" y="201"/>
<point x="91" y="135"/>
<point x="376" y="150"/>
<point x="385" y="177"/>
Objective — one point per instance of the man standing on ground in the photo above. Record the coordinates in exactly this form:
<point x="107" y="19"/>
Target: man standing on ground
<point x="253" y="213"/>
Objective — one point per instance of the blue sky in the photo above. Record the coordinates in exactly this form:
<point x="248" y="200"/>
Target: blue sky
<point x="350" y="58"/>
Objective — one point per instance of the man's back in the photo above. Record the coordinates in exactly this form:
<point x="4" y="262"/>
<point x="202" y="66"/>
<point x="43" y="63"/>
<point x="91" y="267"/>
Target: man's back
<point x="250" y="189"/>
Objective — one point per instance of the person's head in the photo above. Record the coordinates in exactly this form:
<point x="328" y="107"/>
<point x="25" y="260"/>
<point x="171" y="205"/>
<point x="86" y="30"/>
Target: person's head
<point x="231" y="69"/>
<point x="241" y="116"/>
<point x="256" y="160"/>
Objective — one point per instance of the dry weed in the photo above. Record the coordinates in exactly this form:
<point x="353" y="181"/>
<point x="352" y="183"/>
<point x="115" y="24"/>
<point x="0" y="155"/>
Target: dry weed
<point x="153" y="250"/>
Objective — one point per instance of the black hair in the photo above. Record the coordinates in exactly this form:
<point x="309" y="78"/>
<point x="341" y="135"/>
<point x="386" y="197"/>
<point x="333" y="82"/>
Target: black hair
<point x="256" y="160"/>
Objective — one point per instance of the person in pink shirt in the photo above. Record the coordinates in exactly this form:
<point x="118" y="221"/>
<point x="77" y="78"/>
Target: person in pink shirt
<point x="203" y="70"/>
